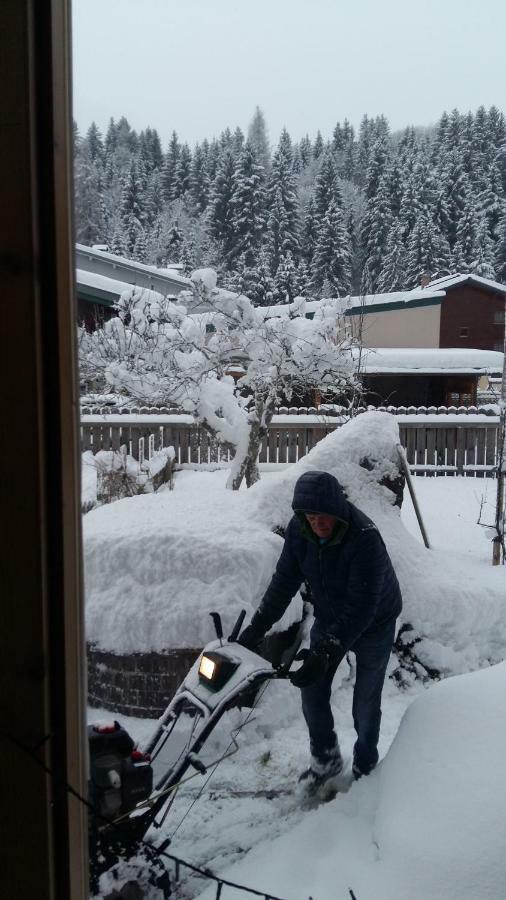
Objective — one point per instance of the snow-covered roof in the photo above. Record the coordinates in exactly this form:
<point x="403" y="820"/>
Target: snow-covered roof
<point x="435" y="291"/>
<point x="132" y="264"/>
<point x="449" y="281"/>
<point x="108" y="285"/>
<point x="429" y="361"/>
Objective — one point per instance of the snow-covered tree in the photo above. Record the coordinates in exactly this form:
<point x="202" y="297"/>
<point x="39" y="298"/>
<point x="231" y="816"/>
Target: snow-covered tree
<point x="156" y="352"/>
<point x="258" y="138"/>
<point x="331" y="261"/>
<point x="393" y="272"/>
<point x="248" y="205"/>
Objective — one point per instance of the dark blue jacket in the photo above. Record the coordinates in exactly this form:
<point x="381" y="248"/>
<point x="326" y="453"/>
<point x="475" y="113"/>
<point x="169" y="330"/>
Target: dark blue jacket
<point x="353" y="583"/>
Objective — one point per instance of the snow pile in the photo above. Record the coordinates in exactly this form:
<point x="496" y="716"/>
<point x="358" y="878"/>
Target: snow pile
<point x="155" y="565"/>
<point x="428" y="823"/>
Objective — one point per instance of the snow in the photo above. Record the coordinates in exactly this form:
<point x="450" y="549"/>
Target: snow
<point x="131" y="263"/>
<point x="404" y="360"/>
<point x="207" y="278"/>
<point x="103" y="283"/>
<point x="449" y="281"/>
<point x="155" y="564"/>
<point x="429" y="822"/>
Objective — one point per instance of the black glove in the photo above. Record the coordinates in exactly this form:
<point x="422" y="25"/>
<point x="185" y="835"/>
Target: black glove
<point x="314" y="665"/>
<point x="327" y="654"/>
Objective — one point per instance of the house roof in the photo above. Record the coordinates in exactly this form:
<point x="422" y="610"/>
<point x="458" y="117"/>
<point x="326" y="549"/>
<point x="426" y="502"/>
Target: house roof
<point x="450" y="281"/>
<point x="429" y="361"/>
<point x="133" y="265"/>
<point x="92" y="286"/>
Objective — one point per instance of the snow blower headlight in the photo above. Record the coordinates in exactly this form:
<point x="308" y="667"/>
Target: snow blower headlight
<point x="215" y="670"/>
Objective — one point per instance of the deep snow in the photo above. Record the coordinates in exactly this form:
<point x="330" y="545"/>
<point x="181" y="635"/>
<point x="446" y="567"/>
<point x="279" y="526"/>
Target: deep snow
<point x="428" y="824"/>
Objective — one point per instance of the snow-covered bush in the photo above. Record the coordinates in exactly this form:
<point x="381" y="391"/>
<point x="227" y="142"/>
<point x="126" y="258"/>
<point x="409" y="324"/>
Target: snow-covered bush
<point x="111" y="475"/>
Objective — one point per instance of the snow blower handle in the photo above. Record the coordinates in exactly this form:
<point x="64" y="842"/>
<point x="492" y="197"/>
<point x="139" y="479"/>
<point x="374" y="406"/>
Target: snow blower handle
<point x="234" y="634"/>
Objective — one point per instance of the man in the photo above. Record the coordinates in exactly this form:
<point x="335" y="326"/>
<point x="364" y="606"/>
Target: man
<point x="339" y="552"/>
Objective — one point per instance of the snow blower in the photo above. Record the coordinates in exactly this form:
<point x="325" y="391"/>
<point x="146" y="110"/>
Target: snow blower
<point x="131" y="789"/>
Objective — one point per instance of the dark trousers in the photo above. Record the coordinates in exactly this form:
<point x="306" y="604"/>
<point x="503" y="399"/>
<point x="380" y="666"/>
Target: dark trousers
<point x="372" y="652"/>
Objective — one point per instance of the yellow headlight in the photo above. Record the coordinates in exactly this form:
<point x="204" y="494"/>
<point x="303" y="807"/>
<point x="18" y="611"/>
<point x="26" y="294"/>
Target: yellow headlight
<point x="207" y="667"/>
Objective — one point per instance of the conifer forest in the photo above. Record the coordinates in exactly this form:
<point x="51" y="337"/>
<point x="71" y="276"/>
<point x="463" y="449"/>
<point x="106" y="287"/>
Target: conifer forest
<point x="363" y="212"/>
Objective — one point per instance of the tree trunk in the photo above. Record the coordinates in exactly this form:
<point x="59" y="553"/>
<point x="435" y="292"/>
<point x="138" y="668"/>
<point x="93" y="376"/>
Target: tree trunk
<point x="249" y="464"/>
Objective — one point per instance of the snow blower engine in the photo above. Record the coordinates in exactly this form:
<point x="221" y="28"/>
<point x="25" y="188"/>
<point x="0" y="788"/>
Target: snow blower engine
<point x="120" y="775"/>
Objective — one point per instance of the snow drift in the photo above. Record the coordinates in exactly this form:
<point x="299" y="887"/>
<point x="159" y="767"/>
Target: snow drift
<point x="428" y="823"/>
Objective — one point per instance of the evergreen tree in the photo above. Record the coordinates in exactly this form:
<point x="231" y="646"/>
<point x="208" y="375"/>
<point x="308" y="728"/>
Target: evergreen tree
<point x="331" y="259"/>
<point x="466" y="248"/>
<point x="483" y="263"/>
<point x="199" y="180"/>
<point x="309" y="231"/>
<point x="255" y="281"/>
<point x="286" y="279"/>
<point x="456" y="190"/>
<point x="182" y="179"/>
<point x="95" y="143"/>
<point x="220" y="213"/>
<point x="337" y="139"/>
<point x="327" y="189"/>
<point x="257" y="137"/>
<point x="305" y="150"/>
<point x="426" y="253"/>
<point x="318" y="146"/>
<point x="111" y="138"/>
<point x="500" y="250"/>
<point x="491" y="199"/>
<point x="375" y="230"/>
<point x="248" y="206"/>
<point x="132" y="210"/>
<point x="170" y="168"/>
<point x="283" y="222"/>
<point x="393" y="273"/>
<point x="89" y="207"/>
<point x="238" y="142"/>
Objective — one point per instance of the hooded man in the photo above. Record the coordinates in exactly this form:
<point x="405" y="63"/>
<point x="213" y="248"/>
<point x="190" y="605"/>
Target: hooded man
<point x="339" y="552"/>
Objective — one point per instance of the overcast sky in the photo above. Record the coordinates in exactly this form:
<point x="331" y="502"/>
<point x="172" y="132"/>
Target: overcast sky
<point x="198" y="66"/>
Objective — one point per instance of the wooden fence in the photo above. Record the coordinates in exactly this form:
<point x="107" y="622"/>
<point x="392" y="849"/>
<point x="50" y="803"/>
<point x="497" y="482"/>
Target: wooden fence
<point x="435" y="445"/>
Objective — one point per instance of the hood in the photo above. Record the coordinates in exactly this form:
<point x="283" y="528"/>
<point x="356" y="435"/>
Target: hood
<point x="320" y="492"/>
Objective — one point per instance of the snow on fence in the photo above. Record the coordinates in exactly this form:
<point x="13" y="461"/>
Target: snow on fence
<point x="436" y="443"/>
<point x="490" y="409"/>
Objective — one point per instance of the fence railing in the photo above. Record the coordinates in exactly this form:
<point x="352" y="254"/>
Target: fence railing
<point x="435" y="444"/>
<point x="323" y="410"/>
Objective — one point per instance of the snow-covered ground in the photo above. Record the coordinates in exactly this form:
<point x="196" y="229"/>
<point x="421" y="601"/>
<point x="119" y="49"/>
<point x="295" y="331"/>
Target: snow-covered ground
<point x="429" y="822"/>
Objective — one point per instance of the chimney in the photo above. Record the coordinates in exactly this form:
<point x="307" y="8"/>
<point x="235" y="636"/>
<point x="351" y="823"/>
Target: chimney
<point x="425" y="280"/>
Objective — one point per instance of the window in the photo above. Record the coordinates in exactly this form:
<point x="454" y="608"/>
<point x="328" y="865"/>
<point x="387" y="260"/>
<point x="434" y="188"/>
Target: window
<point x="499" y="317"/>
<point x="463" y="331"/>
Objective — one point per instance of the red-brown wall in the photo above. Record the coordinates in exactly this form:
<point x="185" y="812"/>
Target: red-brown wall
<point x="467" y="306"/>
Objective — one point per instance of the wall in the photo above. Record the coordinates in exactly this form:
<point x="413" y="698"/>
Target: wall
<point x="472" y="307"/>
<point x="417" y="326"/>
<point x="136" y="684"/>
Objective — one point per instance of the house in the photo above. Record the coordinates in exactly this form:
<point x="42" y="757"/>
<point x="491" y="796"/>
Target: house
<point x="407" y="376"/>
<point x="101" y="277"/>
<point x="460" y="310"/>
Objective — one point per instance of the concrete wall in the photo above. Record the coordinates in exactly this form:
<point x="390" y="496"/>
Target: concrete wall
<point x="417" y="326"/>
